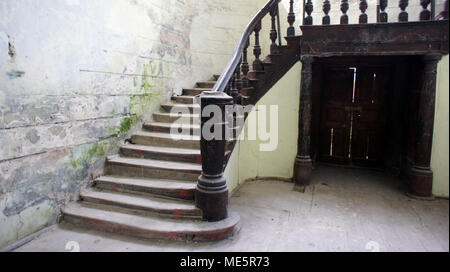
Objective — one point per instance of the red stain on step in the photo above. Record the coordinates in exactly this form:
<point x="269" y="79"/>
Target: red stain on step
<point x="171" y="235"/>
<point x="182" y="193"/>
<point x="176" y="214"/>
<point x="158" y="129"/>
<point x="139" y="152"/>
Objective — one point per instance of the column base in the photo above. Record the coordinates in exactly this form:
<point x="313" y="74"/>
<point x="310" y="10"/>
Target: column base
<point x="302" y="172"/>
<point x="211" y="196"/>
<point x="421" y="183"/>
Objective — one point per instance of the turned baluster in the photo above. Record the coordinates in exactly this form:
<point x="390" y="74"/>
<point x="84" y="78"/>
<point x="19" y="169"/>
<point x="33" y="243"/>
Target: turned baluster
<point x="239" y="83"/>
<point x="403" y="16"/>
<point x="233" y="90"/>
<point x="344" y="8"/>
<point x="257" y="63"/>
<point x="383" y="17"/>
<point x="425" y="14"/>
<point x="326" y="8"/>
<point x="273" y="32"/>
<point x="291" y="20"/>
<point x="245" y="67"/>
<point x="229" y="87"/>
<point x="308" y="20"/>
<point x="363" y="8"/>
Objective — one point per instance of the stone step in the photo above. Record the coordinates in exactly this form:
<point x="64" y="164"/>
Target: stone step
<point x="165" y="117"/>
<point x="206" y="84"/>
<point x="182" y="108"/>
<point x="143" y="204"/>
<point x="195" y="91"/>
<point x="161" y="153"/>
<point x="160" y="187"/>
<point x="186" y="129"/>
<point x="165" y="140"/>
<point x="184" y="99"/>
<point x="148" y="168"/>
<point x="150" y="227"/>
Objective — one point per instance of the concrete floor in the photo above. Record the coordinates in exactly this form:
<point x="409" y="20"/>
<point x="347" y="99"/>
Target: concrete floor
<point x="343" y="210"/>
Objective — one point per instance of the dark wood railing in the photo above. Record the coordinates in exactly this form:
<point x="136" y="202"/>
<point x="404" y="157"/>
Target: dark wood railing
<point x="229" y="76"/>
<point x="427" y="13"/>
<point x="212" y="192"/>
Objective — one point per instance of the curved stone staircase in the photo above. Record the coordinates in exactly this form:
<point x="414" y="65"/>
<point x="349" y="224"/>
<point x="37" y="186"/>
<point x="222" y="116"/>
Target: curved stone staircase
<point x="148" y="189"/>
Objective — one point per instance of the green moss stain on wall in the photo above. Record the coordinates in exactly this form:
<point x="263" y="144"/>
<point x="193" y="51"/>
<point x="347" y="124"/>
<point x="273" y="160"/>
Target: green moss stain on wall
<point x="95" y="152"/>
<point x="147" y="95"/>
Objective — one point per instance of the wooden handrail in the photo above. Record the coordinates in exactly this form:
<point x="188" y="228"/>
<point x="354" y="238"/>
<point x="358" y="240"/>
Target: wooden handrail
<point x="232" y="65"/>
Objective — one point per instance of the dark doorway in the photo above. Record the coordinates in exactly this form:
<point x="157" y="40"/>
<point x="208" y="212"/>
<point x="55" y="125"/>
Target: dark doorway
<point x="360" y="110"/>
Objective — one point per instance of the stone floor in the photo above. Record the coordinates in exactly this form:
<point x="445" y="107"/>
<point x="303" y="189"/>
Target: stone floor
<point x="343" y="210"/>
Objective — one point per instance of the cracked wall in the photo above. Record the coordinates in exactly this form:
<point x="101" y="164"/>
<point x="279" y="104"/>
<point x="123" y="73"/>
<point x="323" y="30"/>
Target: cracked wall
<point x="78" y="76"/>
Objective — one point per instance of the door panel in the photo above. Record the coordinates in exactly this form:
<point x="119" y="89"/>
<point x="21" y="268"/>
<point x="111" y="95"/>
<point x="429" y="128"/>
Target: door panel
<point x="334" y="127"/>
<point x="369" y="123"/>
<point x="352" y="124"/>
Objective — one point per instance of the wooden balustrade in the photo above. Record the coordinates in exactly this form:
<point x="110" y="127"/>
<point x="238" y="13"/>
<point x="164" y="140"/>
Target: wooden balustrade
<point x="309" y="8"/>
<point x="425" y="14"/>
<point x="245" y="67"/>
<point x="363" y="7"/>
<point x="326" y="8"/>
<point x="257" y="63"/>
<point x="344" y="9"/>
<point x="403" y="15"/>
<point x="291" y="20"/>
<point x="383" y="16"/>
<point x="273" y="31"/>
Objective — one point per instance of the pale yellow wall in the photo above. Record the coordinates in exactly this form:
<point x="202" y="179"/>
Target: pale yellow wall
<point x="247" y="161"/>
<point x="440" y="157"/>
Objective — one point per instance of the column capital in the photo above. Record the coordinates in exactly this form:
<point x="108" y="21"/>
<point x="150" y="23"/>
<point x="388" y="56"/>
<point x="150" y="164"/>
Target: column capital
<point x="430" y="58"/>
<point x="307" y="59"/>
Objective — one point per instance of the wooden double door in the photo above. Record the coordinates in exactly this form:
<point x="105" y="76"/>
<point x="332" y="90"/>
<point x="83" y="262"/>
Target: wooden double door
<point x="353" y="114"/>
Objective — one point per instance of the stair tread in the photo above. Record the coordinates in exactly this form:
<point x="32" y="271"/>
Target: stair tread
<point x="169" y="165"/>
<point x="177" y="114"/>
<point x="150" y="182"/>
<point x="162" y="149"/>
<point x="147" y="202"/>
<point x="166" y="135"/>
<point x="198" y="88"/>
<point x="171" y="104"/>
<point x="169" y="125"/>
<point x="184" y="96"/>
<point x="152" y="224"/>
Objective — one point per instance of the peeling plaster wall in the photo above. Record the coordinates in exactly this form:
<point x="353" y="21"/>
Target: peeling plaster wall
<point x="78" y="76"/>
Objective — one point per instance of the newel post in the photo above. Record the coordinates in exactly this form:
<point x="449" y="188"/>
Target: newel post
<point x="211" y="195"/>
<point x="421" y="175"/>
<point x="303" y="162"/>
